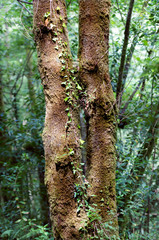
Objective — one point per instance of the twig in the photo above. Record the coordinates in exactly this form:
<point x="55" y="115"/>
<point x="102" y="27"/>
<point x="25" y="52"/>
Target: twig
<point x="25" y="2"/>
<point x="20" y="2"/>
<point x="21" y="74"/>
<point x="69" y="3"/>
<point x="124" y="50"/>
<point x="120" y="12"/>
<point x="27" y="32"/>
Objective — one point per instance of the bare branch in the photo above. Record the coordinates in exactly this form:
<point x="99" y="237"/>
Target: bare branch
<point x="130" y="98"/>
<point x="20" y="2"/>
<point x="124" y="67"/>
<point x="21" y="74"/>
<point x="124" y="49"/>
<point x="120" y="12"/>
<point x="68" y="4"/>
<point x="25" y="2"/>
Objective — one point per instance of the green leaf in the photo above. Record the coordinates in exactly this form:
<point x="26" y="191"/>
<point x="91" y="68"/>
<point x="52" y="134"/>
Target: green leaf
<point x="82" y="141"/>
<point x="64" y="25"/>
<point x="24" y="212"/>
<point x="63" y="68"/>
<point x="54" y="39"/>
<point x="78" y="86"/>
<point x="19" y="220"/>
<point x="68" y="114"/>
<point x="71" y="152"/>
<point x="66" y="99"/>
<point x="56" y="48"/>
<point x="7" y="233"/>
<point x="47" y="14"/>
<point x="63" y="84"/>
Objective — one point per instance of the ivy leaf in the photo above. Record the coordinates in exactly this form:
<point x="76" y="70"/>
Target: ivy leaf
<point x="78" y="87"/>
<point x="64" y="25"/>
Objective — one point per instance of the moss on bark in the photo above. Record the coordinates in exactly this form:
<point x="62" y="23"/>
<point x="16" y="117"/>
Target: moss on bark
<point x="100" y="105"/>
<point x="52" y="46"/>
<point x="61" y="135"/>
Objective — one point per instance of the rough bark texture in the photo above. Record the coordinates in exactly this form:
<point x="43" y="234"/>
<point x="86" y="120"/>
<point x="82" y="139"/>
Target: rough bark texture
<point x="99" y="106"/>
<point x="61" y="134"/>
<point x="52" y="43"/>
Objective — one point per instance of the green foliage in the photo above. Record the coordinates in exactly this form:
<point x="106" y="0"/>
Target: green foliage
<point x="73" y="26"/>
<point x="98" y="229"/>
<point x="24" y="209"/>
<point x="93" y="226"/>
<point x="27" y="229"/>
<point x="136" y="187"/>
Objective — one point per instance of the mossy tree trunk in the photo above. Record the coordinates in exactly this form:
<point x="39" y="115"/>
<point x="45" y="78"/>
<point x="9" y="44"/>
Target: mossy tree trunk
<point x="64" y="97"/>
<point x="61" y="133"/>
<point x="100" y="107"/>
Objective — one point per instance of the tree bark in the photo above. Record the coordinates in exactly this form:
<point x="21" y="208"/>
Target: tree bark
<point x="61" y="133"/>
<point x="100" y="109"/>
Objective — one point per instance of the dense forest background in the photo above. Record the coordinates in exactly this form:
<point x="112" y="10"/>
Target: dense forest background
<point x="24" y="211"/>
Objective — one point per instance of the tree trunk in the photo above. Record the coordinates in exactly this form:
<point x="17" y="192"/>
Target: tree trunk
<point x="61" y="134"/>
<point x="69" y="197"/>
<point x="100" y="110"/>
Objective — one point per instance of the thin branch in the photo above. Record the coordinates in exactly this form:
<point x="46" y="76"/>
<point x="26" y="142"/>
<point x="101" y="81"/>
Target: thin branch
<point x="21" y="74"/>
<point x="68" y="4"/>
<point x="147" y="147"/>
<point x="124" y="49"/>
<point x="129" y="57"/>
<point x="132" y="47"/>
<point x="20" y="2"/>
<point x="143" y="156"/>
<point x="25" y="2"/>
<point x="120" y="12"/>
<point x="123" y="70"/>
<point x="130" y="98"/>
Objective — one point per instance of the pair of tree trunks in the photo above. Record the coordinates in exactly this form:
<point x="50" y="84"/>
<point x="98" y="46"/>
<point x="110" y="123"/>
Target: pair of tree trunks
<point x="61" y="136"/>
